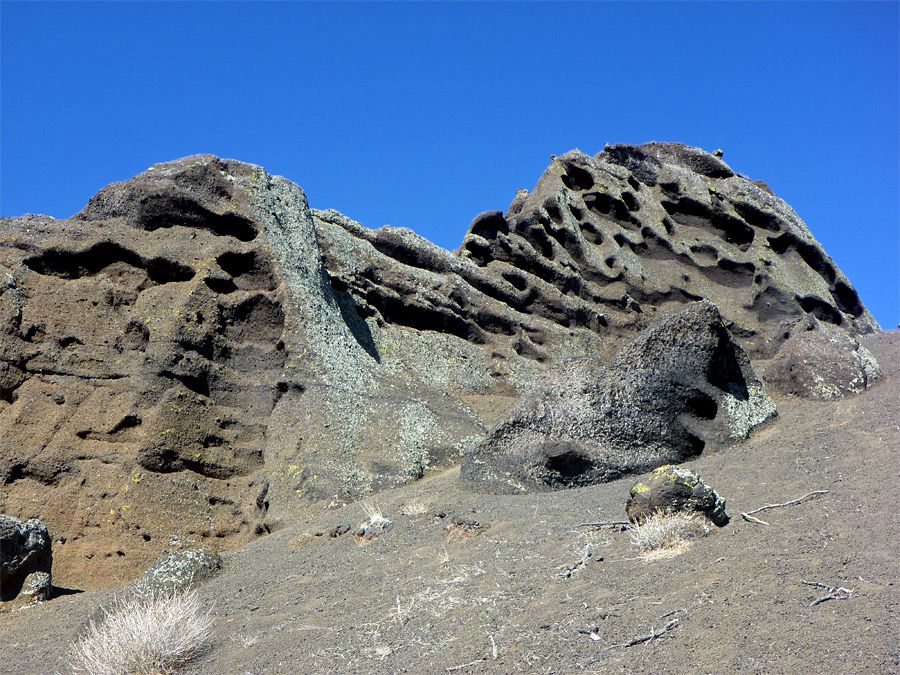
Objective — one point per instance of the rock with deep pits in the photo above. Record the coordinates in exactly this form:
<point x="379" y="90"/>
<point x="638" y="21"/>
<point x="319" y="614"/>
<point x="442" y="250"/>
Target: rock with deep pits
<point x="820" y="361"/>
<point x="681" y="386"/>
<point x="672" y="489"/>
<point x="635" y="230"/>
<point x="198" y="355"/>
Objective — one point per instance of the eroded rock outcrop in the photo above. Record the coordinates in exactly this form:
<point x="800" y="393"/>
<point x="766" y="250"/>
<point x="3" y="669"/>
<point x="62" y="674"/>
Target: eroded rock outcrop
<point x="197" y="354"/>
<point x="820" y="361"/>
<point x="178" y="370"/>
<point x="680" y="386"/>
<point x="635" y="230"/>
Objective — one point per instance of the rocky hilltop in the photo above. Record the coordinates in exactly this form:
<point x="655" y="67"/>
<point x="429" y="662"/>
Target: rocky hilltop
<point x="197" y="356"/>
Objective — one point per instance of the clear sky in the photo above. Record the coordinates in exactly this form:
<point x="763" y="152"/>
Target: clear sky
<point x="422" y="115"/>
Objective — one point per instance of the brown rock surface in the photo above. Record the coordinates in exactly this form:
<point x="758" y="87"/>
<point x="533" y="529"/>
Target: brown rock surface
<point x="175" y="362"/>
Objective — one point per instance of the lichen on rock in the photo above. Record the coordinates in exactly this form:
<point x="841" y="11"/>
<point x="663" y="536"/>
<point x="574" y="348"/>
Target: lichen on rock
<point x="680" y="386"/>
<point x="672" y="489"/>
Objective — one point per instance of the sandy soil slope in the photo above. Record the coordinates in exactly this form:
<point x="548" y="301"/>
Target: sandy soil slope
<point x="421" y="599"/>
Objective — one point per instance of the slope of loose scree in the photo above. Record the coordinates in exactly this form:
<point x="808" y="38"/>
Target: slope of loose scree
<point x="518" y="593"/>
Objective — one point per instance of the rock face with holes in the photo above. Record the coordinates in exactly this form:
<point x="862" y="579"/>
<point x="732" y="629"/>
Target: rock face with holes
<point x="636" y="230"/>
<point x="821" y="361"/>
<point x="679" y="387"/>
<point x="175" y="360"/>
<point x="197" y="355"/>
<point x="26" y="559"/>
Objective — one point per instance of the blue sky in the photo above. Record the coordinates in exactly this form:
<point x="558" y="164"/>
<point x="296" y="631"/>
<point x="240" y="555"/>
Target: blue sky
<point x="422" y="115"/>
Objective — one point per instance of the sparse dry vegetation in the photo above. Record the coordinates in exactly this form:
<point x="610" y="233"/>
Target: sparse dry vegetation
<point x="664" y="535"/>
<point x="415" y="509"/>
<point x="376" y="525"/>
<point x="145" y="634"/>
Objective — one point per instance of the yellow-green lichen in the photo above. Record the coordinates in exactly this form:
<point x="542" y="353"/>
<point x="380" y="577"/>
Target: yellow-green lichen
<point x="640" y="488"/>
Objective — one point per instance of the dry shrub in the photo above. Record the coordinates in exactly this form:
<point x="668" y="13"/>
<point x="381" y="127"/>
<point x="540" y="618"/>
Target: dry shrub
<point x="415" y="509"/>
<point x="374" y="527"/>
<point x="664" y="535"/>
<point x="144" y="634"/>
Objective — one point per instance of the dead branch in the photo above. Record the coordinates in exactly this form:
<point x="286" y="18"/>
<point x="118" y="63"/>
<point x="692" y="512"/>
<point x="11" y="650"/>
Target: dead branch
<point x="793" y="501"/>
<point x="674" y="611"/>
<point x="465" y="665"/>
<point x="834" y="593"/>
<point x="604" y="523"/>
<point x="748" y="515"/>
<point x="647" y="638"/>
<point x="585" y="556"/>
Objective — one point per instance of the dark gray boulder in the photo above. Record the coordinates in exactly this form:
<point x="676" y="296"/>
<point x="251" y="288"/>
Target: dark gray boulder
<point x="673" y="489"/>
<point x="680" y="386"/>
<point x="821" y="361"/>
<point x="25" y="549"/>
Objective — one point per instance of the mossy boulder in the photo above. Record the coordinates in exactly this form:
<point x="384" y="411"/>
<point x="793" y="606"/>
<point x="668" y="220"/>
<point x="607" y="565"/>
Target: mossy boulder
<point x="178" y="571"/>
<point x="672" y="489"/>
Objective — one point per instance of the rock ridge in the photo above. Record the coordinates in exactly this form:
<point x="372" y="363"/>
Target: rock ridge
<point x="197" y="355"/>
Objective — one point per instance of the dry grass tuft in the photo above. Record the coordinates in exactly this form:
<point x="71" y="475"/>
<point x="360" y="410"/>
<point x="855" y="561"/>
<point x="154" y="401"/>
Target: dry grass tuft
<point x="415" y="509"/>
<point x="374" y="527"/>
<point x="145" y="634"/>
<point x="665" y="535"/>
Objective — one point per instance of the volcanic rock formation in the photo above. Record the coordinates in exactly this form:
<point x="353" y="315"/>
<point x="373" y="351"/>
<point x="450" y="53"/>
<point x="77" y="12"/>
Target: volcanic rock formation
<point x="818" y="360"/>
<point x="24" y="552"/>
<point x="681" y="385"/>
<point x="197" y="355"/>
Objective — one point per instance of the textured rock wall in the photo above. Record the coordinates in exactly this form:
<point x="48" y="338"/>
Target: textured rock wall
<point x="197" y="355"/>
<point x="178" y="370"/>
<point x="636" y="230"/>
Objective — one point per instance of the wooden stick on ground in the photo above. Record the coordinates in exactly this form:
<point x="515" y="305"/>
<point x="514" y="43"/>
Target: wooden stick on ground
<point x="585" y="556"/>
<point x="465" y="665"/>
<point x="839" y="593"/>
<point x="748" y="516"/>
<point x="605" y="522"/>
<point x="647" y="638"/>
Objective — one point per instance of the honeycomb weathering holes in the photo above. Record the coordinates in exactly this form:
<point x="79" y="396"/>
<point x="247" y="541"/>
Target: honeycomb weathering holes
<point x="91" y="261"/>
<point x="163" y="211"/>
